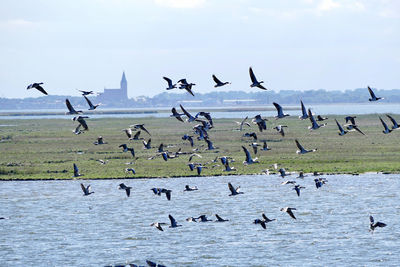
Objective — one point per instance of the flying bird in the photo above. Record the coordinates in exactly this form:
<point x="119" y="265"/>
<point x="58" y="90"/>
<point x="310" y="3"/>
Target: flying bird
<point x="301" y="148"/>
<point x="218" y="82"/>
<point x="173" y="222"/>
<point x="314" y="124"/>
<point x="243" y="122"/>
<point x="254" y="82"/>
<point x="127" y="189"/>
<point x="303" y="111"/>
<point x="279" y="109"/>
<point x="38" y="87"/>
<point x="234" y="191"/>
<point x="157" y="225"/>
<point x="254" y="135"/>
<point x="170" y="84"/>
<point x="140" y="126"/>
<point x="219" y="219"/>
<point x="86" y="92"/>
<point x="261" y="123"/>
<point x="127" y="170"/>
<point x="76" y="171"/>
<point x="189" y="138"/>
<point x="289" y="211"/>
<point x="373" y="224"/>
<point x="265" y="146"/>
<point x="248" y="160"/>
<point x="386" y="128"/>
<point x="71" y="111"/>
<point x="341" y="130"/>
<point x="395" y="125"/>
<point x="125" y="148"/>
<point x="183" y="84"/>
<point x="81" y="120"/>
<point x="373" y="96"/>
<point x="91" y="106"/>
<point x="280" y="130"/>
<point x="176" y="114"/>
<point x="190" y="118"/>
<point x="147" y="145"/>
<point x="86" y="190"/>
<point x="320" y="118"/>
<point x="297" y="189"/>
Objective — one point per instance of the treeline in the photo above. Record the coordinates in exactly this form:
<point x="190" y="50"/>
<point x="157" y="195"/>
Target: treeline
<point x="217" y="98"/>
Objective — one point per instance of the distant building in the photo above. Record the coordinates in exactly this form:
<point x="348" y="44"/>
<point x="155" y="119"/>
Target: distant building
<point x="116" y="96"/>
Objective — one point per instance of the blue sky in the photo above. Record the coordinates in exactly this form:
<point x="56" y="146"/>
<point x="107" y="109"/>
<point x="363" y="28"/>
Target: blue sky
<point x="291" y="45"/>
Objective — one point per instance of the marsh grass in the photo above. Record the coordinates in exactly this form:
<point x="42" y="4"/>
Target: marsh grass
<point x="47" y="148"/>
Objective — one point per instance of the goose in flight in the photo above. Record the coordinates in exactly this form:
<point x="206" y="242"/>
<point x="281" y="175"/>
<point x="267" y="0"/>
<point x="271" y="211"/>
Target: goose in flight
<point x="301" y="148"/>
<point x="86" y="92"/>
<point x="76" y="171"/>
<point x="78" y="130"/>
<point x="210" y="145"/>
<point x="234" y="191"/>
<point x="91" y="106"/>
<point x="140" y="126"/>
<point x="320" y="118"/>
<point x="128" y="132"/>
<point x="280" y="111"/>
<point x="81" y="120"/>
<point x="265" y="146"/>
<point x="227" y="167"/>
<point x="282" y="172"/>
<point x="218" y="83"/>
<point x="263" y="221"/>
<point x="158" y="225"/>
<point x="297" y="189"/>
<point x="203" y="218"/>
<point x="127" y="189"/>
<point x="183" y="84"/>
<point x="386" y="128"/>
<point x="261" y="123"/>
<point x="395" y="125"/>
<point x="86" y="190"/>
<point x="303" y="111"/>
<point x="189" y="138"/>
<point x="254" y="82"/>
<point x="219" y="218"/>
<point x="126" y="149"/>
<point x="176" y="114"/>
<point x="190" y="118"/>
<point x="280" y="130"/>
<point x="205" y="115"/>
<point x="243" y="122"/>
<point x="341" y="130"/>
<point x="255" y="147"/>
<point x="71" y="111"/>
<point x="289" y="211"/>
<point x="314" y="124"/>
<point x="373" y="96"/>
<point x="127" y="170"/>
<point x="248" y="160"/>
<point x="173" y="222"/>
<point x="319" y="182"/>
<point x="199" y="168"/>
<point x="254" y="135"/>
<point x="373" y="224"/>
<point x="170" y="84"/>
<point x="38" y="87"/>
<point x="352" y="125"/>
<point x="147" y="145"/>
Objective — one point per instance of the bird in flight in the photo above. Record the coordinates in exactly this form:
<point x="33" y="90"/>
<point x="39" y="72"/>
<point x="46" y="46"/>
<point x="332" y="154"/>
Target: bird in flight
<point x="386" y="128"/>
<point x="218" y="83"/>
<point x="254" y="82"/>
<point x="86" y="92"/>
<point x="127" y="189"/>
<point x="183" y="84"/>
<point x="248" y="160"/>
<point x="91" y="106"/>
<point x="86" y="190"/>
<point x="280" y="111"/>
<point x="234" y="191"/>
<point x="71" y="110"/>
<point x="303" y="112"/>
<point x="302" y="150"/>
<point x="373" y="224"/>
<point x="289" y="211"/>
<point x="373" y="96"/>
<point x="38" y="87"/>
<point x="170" y="84"/>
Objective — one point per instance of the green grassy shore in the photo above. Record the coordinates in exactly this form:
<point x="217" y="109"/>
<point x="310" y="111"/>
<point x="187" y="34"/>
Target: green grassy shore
<point x="47" y="148"/>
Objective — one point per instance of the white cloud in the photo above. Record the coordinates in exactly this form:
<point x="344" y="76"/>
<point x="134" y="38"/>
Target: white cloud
<point x="16" y="24"/>
<point x="181" y="3"/>
<point x="326" y="5"/>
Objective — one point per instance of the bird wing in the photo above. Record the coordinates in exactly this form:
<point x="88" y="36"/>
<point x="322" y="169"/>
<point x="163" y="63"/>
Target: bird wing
<point x="183" y="81"/>
<point x="371" y="92"/>
<point x="339" y="126"/>
<point x="392" y="120"/>
<point x="218" y="217"/>
<point x="83" y="123"/>
<point x="69" y="106"/>
<point x="144" y="129"/>
<point x="76" y="170"/>
<point x="189" y="89"/>
<point x="173" y="222"/>
<point x="299" y="146"/>
<point x="358" y="130"/>
<point x="290" y="212"/>
<point x="216" y="80"/>
<point x="41" y="89"/>
<point x="128" y="132"/>
<point x="88" y="101"/>
<point x="136" y="136"/>
<point x="371" y="219"/>
<point x="176" y="114"/>
<point x="248" y="157"/>
<point x="169" y="81"/>
<point x="231" y="188"/>
<point x="384" y="124"/>
<point x="303" y="109"/>
<point x="168" y="194"/>
<point x="252" y="76"/>
<point x="84" y="189"/>
<point x="278" y="108"/>
<point x="380" y="224"/>
<point x="312" y="119"/>
<point x="186" y="113"/>
<point x="261" y="87"/>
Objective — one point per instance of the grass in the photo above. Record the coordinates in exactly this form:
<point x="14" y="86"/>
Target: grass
<point x="47" y="148"/>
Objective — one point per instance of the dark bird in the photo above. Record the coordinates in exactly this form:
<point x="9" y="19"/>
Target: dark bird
<point x="86" y="92"/>
<point x="352" y="125"/>
<point x="37" y="86"/>
<point x="190" y="118"/>
<point x="176" y="114"/>
<point x="243" y="122"/>
<point x="303" y="111"/>
<point x="219" y="219"/>
<point x="395" y="125"/>
<point x="254" y="135"/>
<point x="248" y="160"/>
<point x="386" y="128"/>
<point x="280" y="111"/>
<point x="218" y="83"/>
<point x="280" y="130"/>
<point x="226" y="165"/>
<point x="160" y="148"/>
<point x="188" y="188"/>
<point x="126" y="149"/>
<point x="189" y="138"/>
<point x="282" y="172"/>
<point x="297" y="189"/>
<point x="255" y="147"/>
<point x="302" y="150"/>
<point x="77" y="130"/>
<point x="170" y="84"/>
<point x="261" y="123"/>
<point x="157" y="225"/>
<point x="141" y="127"/>
<point x="265" y="146"/>
<point x="86" y="190"/>
<point x="373" y="224"/>
<point x="128" y="133"/>
<point x="234" y="191"/>
<point x="210" y="145"/>
<point x="71" y="111"/>
<point x="91" y="106"/>
<point x="76" y="171"/>
<point x="81" y="120"/>
<point x="319" y="182"/>
<point x="199" y="168"/>
<point x="320" y="118"/>
<point x="203" y="218"/>
<point x="183" y="84"/>
<point x="314" y="124"/>
<point x="289" y="211"/>
<point x="173" y="222"/>
<point x="263" y="222"/>
<point x="254" y="82"/>
<point x="341" y="130"/>
<point x="147" y="145"/>
<point x="136" y="136"/>
<point x="100" y="141"/>
<point x="127" y="189"/>
<point x="373" y="96"/>
<point x="205" y="115"/>
<point x="167" y="193"/>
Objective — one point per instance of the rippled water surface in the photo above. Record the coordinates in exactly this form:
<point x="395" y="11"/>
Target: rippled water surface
<point x="51" y="223"/>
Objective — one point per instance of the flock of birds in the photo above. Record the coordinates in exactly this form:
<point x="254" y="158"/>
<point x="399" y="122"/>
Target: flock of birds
<point x="205" y="123"/>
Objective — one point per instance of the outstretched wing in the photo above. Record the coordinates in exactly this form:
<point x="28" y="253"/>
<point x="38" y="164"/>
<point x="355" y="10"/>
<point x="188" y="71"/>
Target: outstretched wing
<point x="371" y="92"/>
<point x="339" y="126"/>
<point x="252" y="76"/>
<point x="88" y="101"/>
<point x="278" y="108"/>
<point x="41" y="89"/>
<point x="298" y="145"/>
<point x="231" y="188"/>
<point x="169" y="81"/>
<point x="69" y="106"/>
<point x="216" y="80"/>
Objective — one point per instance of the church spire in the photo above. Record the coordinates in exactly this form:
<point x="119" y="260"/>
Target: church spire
<point x="124" y="86"/>
<point x="123" y="77"/>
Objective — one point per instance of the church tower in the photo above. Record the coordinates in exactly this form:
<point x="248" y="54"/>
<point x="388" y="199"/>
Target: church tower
<point x="124" y="86"/>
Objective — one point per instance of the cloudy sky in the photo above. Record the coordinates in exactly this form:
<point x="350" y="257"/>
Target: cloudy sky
<point x="291" y="44"/>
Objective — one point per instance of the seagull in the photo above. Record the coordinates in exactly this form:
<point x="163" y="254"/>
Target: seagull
<point x="243" y="122"/>
<point x="176" y="114"/>
<point x="170" y="84"/>
<point x="320" y="118"/>
<point x="341" y="130"/>
<point x="248" y="160"/>
<point x="140" y="126"/>
<point x="81" y="120"/>
<point x="86" y="190"/>
<point x="297" y="188"/>
<point x="38" y="87"/>
<point x="185" y="85"/>
<point x="387" y="130"/>
<point x="188" y="188"/>
<point x="373" y="224"/>
<point x="280" y="111"/>
<point x="303" y="111"/>
<point x="280" y="130"/>
<point x="234" y="191"/>
<point x="254" y="82"/>
<point x="289" y="211"/>
<point x="254" y="135"/>
<point x="218" y="82"/>
<point x="265" y="146"/>
<point x="261" y="123"/>
<point x="91" y="106"/>
<point x="373" y="96"/>
<point x="76" y="171"/>
<point x="86" y="92"/>
<point x="301" y="148"/>
<point x="190" y="117"/>
<point x="147" y="145"/>
<point x="395" y="125"/>
<point x="189" y="138"/>
<point x="219" y="219"/>
<point x="157" y="225"/>
<point x="173" y="222"/>
<point x="71" y="109"/>
<point x="314" y="124"/>
<point x="127" y="189"/>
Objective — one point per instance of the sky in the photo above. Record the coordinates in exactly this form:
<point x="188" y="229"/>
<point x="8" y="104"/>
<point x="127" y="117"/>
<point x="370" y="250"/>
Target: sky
<point x="291" y="44"/>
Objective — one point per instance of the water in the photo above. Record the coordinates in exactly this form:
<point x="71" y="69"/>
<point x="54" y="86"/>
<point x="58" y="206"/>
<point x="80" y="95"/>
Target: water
<point x="322" y="109"/>
<point x="51" y="223"/>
